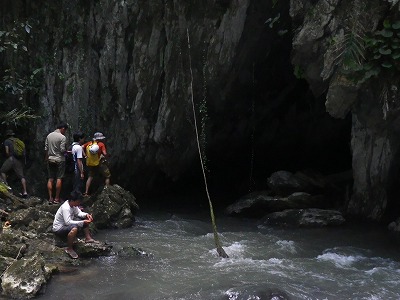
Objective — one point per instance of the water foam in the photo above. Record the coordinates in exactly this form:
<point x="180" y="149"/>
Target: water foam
<point x="235" y="250"/>
<point x="339" y="260"/>
<point x="287" y="246"/>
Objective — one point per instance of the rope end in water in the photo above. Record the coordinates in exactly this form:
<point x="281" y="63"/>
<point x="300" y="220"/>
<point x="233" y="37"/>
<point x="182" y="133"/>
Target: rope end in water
<point x="222" y="253"/>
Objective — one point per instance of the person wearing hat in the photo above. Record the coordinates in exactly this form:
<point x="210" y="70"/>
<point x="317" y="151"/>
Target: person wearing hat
<point x="96" y="160"/>
<point x="14" y="162"/>
<point x="69" y="219"/>
<point x="55" y="150"/>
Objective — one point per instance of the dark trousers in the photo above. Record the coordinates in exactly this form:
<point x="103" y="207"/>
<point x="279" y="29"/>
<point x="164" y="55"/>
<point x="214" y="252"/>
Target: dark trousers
<point x="78" y="182"/>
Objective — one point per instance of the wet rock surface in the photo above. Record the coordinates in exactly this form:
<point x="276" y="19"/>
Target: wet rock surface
<point x="311" y="217"/>
<point x="308" y="191"/>
<point x="30" y="253"/>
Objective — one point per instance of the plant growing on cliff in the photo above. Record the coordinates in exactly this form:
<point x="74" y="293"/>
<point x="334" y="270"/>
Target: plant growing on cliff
<point x="350" y="45"/>
<point x="381" y="54"/>
<point x="363" y="53"/>
<point x="16" y="116"/>
<point x="17" y="78"/>
<point x="384" y="45"/>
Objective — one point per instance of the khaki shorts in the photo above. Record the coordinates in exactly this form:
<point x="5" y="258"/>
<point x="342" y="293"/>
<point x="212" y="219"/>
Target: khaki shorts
<point x="15" y="164"/>
<point x="101" y="169"/>
<point x="55" y="169"/>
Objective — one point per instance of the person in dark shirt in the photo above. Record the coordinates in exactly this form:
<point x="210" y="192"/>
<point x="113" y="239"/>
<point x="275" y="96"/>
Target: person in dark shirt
<point x="13" y="162"/>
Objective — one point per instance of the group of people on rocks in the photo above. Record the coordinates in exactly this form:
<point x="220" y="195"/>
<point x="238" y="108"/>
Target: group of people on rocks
<point x="69" y="217"/>
<point x="94" y="152"/>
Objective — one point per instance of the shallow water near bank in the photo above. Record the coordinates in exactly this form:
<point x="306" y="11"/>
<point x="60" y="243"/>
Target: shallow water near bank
<point x="349" y="262"/>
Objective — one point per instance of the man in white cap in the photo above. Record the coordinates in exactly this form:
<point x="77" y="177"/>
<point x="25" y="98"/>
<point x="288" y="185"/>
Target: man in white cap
<point x="96" y="154"/>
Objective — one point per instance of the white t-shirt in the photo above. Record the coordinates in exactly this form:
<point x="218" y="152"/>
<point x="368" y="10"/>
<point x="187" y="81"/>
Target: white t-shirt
<point x="66" y="215"/>
<point x="55" y="146"/>
<point x="77" y="152"/>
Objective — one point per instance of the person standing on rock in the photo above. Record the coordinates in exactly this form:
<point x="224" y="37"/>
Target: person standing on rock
<point x="77" y="154"/>
<point x="69" y="219"/>
<point x="55" y="149"/>
<point x="16" y="156"/>
<point x="96" y="155"/>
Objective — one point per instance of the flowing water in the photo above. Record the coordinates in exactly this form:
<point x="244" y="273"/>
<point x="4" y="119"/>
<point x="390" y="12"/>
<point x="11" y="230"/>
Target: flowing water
<point x="349" y="262"/>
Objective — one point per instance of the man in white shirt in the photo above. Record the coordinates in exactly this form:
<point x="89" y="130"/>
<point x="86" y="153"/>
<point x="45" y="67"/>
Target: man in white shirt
<point x="69" y="219"/>
<point x="77" y="154"/>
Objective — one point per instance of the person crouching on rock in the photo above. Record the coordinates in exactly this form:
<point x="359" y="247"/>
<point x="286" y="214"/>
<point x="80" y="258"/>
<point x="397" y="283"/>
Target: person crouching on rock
<point x="69" y="219"/>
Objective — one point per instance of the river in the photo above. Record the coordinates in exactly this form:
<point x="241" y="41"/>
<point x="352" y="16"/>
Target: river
<point x="348" y="262"/>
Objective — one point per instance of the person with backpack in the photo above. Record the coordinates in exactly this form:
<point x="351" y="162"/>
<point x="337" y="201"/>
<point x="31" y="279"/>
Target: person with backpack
<point x="96" y="154"/>
<point x="55" y="149"/>
<point x="16" y="157"/>
<point x="77" y="154"/>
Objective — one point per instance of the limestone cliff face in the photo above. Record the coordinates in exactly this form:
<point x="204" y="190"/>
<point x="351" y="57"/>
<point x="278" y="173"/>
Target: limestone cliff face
<point x="373" y="105"/>
<point x="128" y="68"/>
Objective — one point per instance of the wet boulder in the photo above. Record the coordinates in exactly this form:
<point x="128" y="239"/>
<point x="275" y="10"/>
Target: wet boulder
<point x="284" y="183"/>
<point x="131" y="251"/>
<point x="92" y="249"/>
<point x="252" y="205"/>
<point x="8" y="200"/>
<point x="304" y="218"/>
<point x="114" y="207"/>
<point x="34" y="201"/>
<point x="394" y="228"/>
<point x="25" y="277"/>
<point x="44" y="244"/>
<point x="4" y="263"/>
<point x="258" y="204"/>
<point x="12" y="244"/>
<point x="32" y="218"/>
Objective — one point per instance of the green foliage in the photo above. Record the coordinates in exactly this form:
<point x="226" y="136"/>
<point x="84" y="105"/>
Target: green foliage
<point x="18" y="78"/>
<point x="12" y="40"/>
<point x="12" y="44"/>
<point x="70" y="88"/>
<point x="298" y="72"/>
<point x="17" y="116"/>
<point x="350" y="48"/>
<point x="384" y="46"/>
<point x="354" y="50"/>
<point x="381" y="54"/>
<point x="3" y="188"/>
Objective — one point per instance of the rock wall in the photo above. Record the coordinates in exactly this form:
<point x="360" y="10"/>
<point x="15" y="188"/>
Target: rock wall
<point x="373" y="105"/>
<point x="127" y="68"/>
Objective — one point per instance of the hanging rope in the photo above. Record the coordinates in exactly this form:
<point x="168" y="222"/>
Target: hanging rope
<point x="220" y="250"/>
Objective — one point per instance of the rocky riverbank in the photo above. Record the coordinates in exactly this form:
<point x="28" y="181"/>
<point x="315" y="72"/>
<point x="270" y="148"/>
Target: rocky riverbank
<point x="30" y="253"/>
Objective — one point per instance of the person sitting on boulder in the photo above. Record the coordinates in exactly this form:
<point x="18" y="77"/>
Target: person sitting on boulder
<point x="69" y="219"/>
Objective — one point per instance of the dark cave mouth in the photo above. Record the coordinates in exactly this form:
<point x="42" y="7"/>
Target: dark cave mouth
<point x="294" y="133"/>
<point x="240" y="168"/>
<point x="291" y="133"/>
